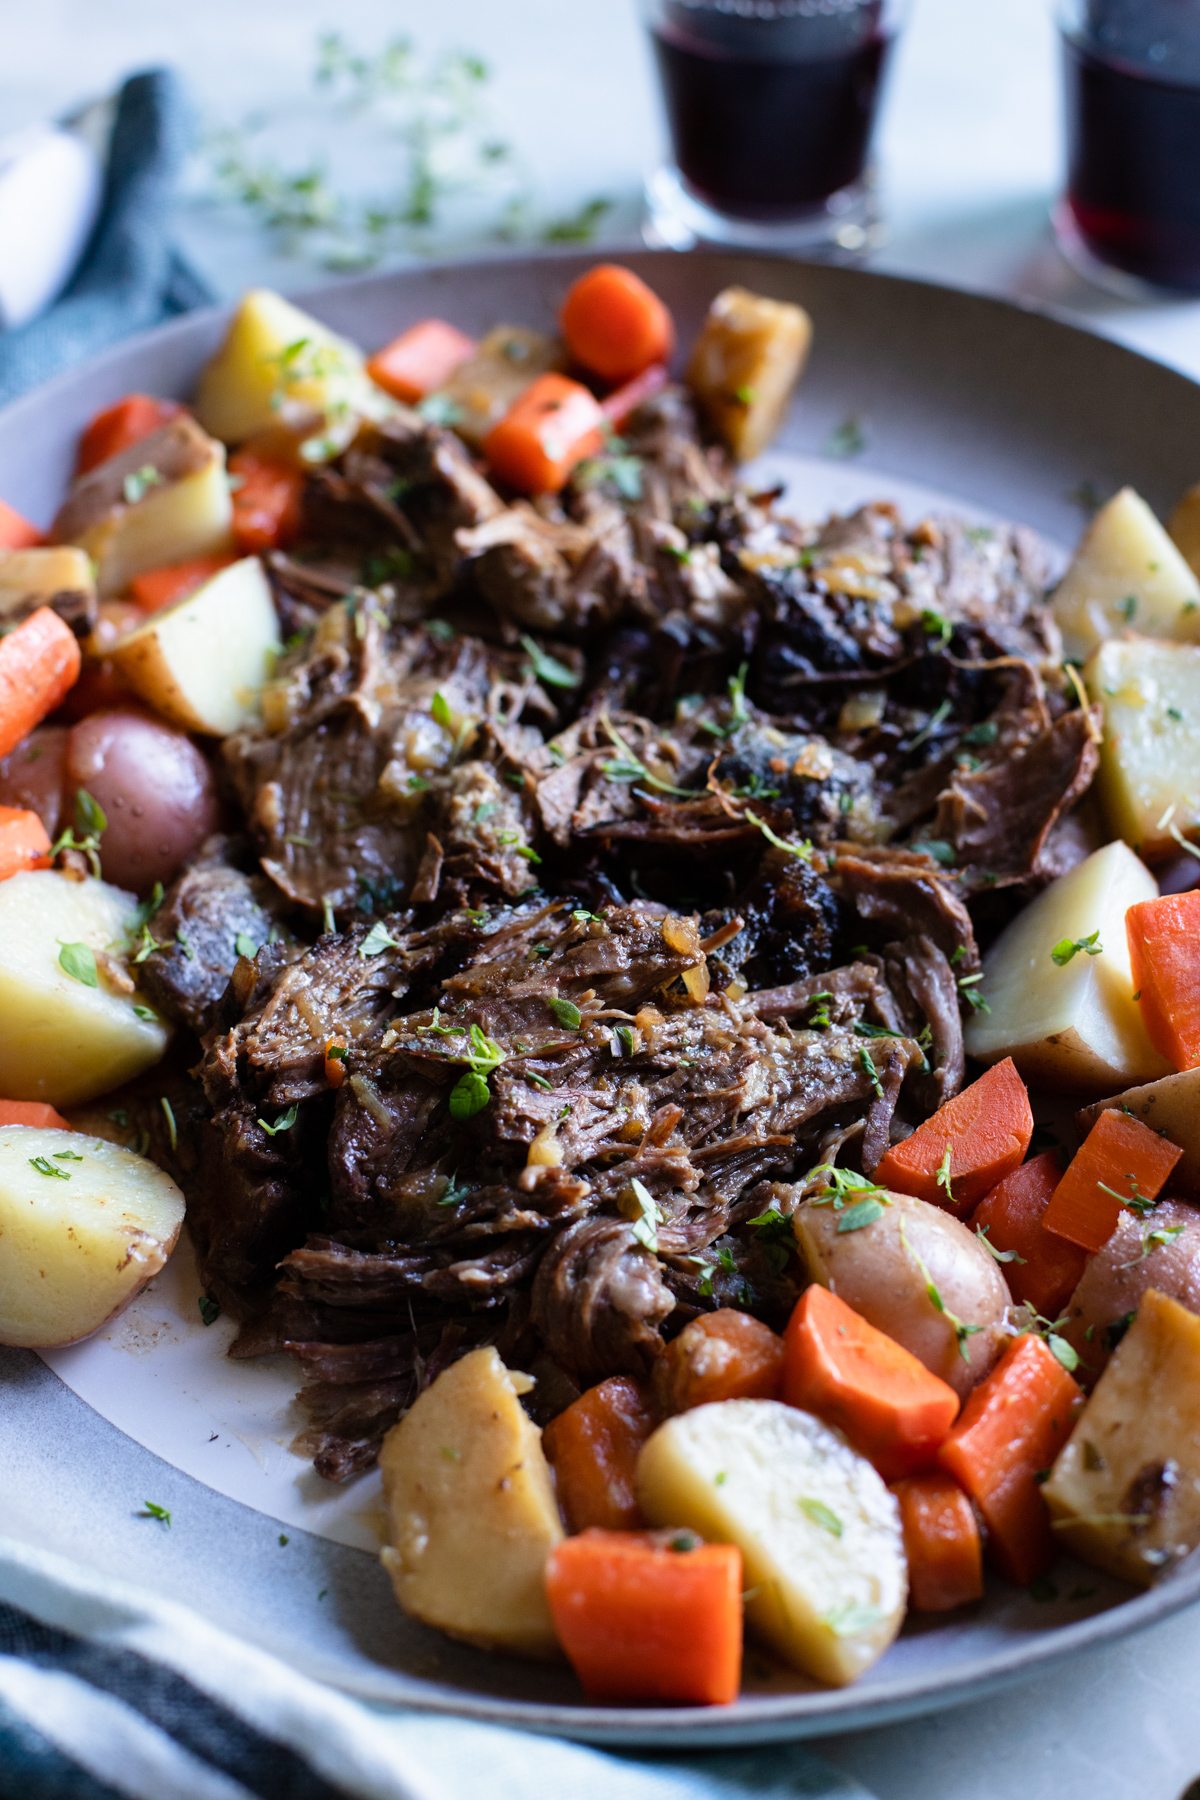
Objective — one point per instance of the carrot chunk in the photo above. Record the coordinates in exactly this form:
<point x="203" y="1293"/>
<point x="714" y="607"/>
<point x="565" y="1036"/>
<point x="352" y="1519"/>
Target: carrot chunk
<point x="891" y="1408"/>
<point x="594" y="1446"/>
<point x="614" y="324"/>
<point x="420" y="359"/>
<point x="156" y="588"/>
<point x="1045" y="1269"/>
<point x="986" y="1129"/>
<point x="641" y="1620"/>
<point x="267" y="502"/>
<point x="1121" y="1162"/>
<point x="941" y="1541"/>
<point x="23" y="842"/>
<point x="1011" y="1428"/>
<point x="1164" y="954"/>
<point x="39" y="662"/>
<point x="549" y="428"/>
<point x="32" y="1112"/>
<point x="722" y="1355"/>
<point x="121" y="426"/>
<point x="16" y="531"/>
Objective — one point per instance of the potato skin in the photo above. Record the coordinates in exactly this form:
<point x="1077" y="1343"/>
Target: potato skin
<point x="155" y="787"/>
<point x="877" y="1272"/>
<point x="1117" y="1276"/>
<point x="473" y="1514"/>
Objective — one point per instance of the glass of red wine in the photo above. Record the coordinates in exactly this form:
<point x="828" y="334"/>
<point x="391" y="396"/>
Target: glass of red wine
<point x="770" y="107"/>
<point x="1130" y="219"/>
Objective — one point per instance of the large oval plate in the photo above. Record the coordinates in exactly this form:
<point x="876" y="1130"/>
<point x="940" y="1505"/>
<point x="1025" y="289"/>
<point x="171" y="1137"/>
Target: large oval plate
<point x="957" y="400"/>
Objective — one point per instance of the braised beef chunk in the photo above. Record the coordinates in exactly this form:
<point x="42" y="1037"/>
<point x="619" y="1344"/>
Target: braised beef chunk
<point x="617" y="858"/>
<point x="212" y="915"/>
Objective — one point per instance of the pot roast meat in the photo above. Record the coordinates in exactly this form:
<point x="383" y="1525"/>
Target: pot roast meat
<point x="206" y="912"/>
<point x="598" y="1299"/>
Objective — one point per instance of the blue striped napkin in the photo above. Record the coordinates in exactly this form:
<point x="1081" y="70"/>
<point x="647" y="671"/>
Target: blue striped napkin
<point x="107" y="1692"/>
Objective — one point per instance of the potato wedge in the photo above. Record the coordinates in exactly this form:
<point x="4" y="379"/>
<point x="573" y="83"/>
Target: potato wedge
<point x="1126" y="572"/>
<point x="161" y="501"/>
<point x="64" y="1041"/>
<point x="482" y="389"/>
<point x="58" y="576"/>
<point x="745" y="363"/>
<point x="1170" y="1106"/>
<point x="472" y="1508"/>
<point x="280" y="366"/>
<point x="1124" y="1492"/>
<point x="1074" y="1027"/>
<point x="84" y="1224"/>
<point x="883" y="1271"/>
<point x="818" y="1530"/>
<point x="1149" y="777"/>
<point x="202" y="661"/>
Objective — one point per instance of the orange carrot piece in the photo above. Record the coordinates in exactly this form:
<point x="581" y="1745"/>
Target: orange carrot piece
<point x="39" y="663"/>
<point x="156" y="588"/>
<point x="722" y="1355"/>
<point x="32" y="1112"/>
<point x="1011" y="1428"/>
<point x="642" y="1621"/>
<point x="16" y="531"/>
<point x="1013" y="1216"/>
<point x="335" y="1063"/>
<point x="267" y="502"/>
<point x="23" y="842"/>
<point x="624" y="401"/>
<point x="1164" y="954"/>
<point x="594" y="1446"/>
<point x="420" y="359"/>
<point x="614" y="324"/>
<point x="547" y="430"/>
<point x="1120" y="1161"/>
<point x="839" y="1367"/>
<point x="121" y="426"/>
<point x="987" y="1129"/>
<point x="941" y="1541"/>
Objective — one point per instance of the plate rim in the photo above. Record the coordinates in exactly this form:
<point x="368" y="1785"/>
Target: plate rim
<point x="783" y="1717"/>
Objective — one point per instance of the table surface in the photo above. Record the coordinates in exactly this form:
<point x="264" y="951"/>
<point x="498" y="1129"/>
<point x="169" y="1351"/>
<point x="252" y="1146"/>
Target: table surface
<point x="970" y="159"/>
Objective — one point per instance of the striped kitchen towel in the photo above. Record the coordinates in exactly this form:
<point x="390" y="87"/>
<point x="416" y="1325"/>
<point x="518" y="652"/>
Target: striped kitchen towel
<point x="107" y="1692"/>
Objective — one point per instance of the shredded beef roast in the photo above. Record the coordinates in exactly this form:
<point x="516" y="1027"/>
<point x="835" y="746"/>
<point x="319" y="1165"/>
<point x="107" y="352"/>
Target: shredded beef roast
<point x="618" y="857"/>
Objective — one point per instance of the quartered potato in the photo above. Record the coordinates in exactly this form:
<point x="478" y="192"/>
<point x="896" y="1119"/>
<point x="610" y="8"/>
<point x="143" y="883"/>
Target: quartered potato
<point x="58" y="576"/>
<point x="202" y="661"/>
<point x="83" y="1227"/>
<point x="65" y="1040"/>
<point x="1073" y="1025"/>
<point x="1183" y="527"/>
<point x="747" y="359"/>
<point x="884" y="1272"/>
<point x="482" y="389"/>
<point x="818" y="1530"/>
<point x="473" y="1515"/>
<point x="280" y="366"/>
<point x="1149" y="777"/>
<point x="1126" y="573"/>
<point x="163" y="500"/>
<point x="1124" y="1492"/>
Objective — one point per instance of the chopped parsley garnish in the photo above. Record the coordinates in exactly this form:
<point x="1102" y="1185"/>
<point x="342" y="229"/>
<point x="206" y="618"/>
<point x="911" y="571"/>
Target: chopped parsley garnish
<point x="645" y="1226"/>
<point x="79" y="962"/>
<point x="1156" y="1237"/>
<point x="986" y="732"/>
<point x="150" y="1511"/>
<point x="566" y="1012"/>
<point x="936" y="625"/>
<point x="245" y="945"/>
<point x="803" y="850"/>
<point x="284" y="1122"/>
<point x="210" y="1312"/>
<point x="185" y="943"/>
<point x="851" y="1618"/>
<point x="1135" y="1200"/>
<point x="1001" y="1256"/>
<point x="169" y="1115"/>
<point x="45" y="1167"/>
<point x="548" y="668"/>
<point x="867" y="1064"/>
<point x="862" y="1213"/>
<point x="624" y="1036"/>
<point x="938" y="848"/>
<point x="944" y="1178"/>
<point x="821" y="1515"/>
<point x="846" y="440"/>
<point x="962" y="1331"/>
<point x="628" y="767"/>
<point x="1066" y="948"/>
<point x="137" y="484"/>
<point x="377" y="940"/>
<point x="1127" y="607"/>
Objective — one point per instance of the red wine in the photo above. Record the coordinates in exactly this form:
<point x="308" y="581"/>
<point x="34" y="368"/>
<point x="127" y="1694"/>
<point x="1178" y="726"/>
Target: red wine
<point x="768" y="139"/>
<point x="1134" y="166"/>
